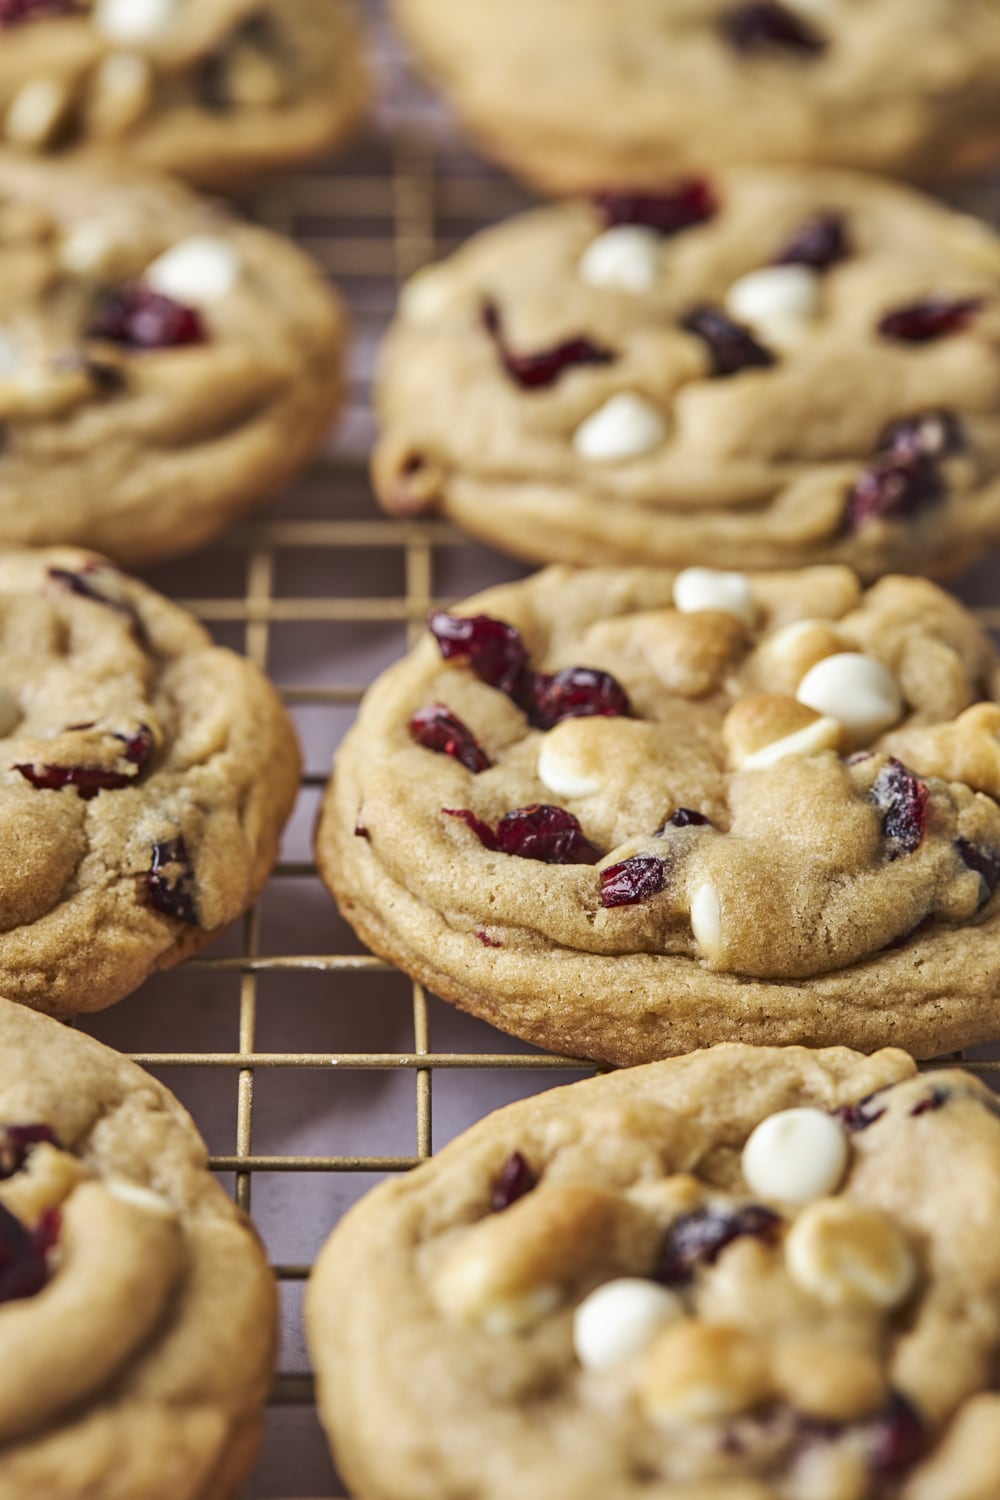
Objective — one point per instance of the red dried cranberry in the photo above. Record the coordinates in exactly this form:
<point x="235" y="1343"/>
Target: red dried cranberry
<point x="577" y="693"/>
<point x="140" y="318"/>
<point x="492" y="649"/>
<point x="632" y="881"/>
<point x="934" y="318"/>
<point x="88" y="781"/>
<point x="761" y="25"/>
<point x="24" y="1254"/>
<point x="686" y="817"/>
<point x="896" y="1438"/>
<point x="548" y="834"/>
<point x="80" y="583"/>
<point x="535" y="371"/>
<point x="690" y="202"/>
<point x="732" y="347"/>
<point x="361" y="832"/>
<point x="927" y="434"/>
<point x="858" y="1117"/>
<point x="985" y="862"/>
<point x="437" y="729"/>
<point x="487" y="941"/>
<point x="170" y="882"/>
<point x="698" y="1239"/>
<point x="820" y="242"/>
<point x="138" y="746"/>
<point x="893" y="488"/>
<point x="484" y="833"/>
<point x="935" y="1100"/>
<point x="13" y="12"/>
<point x="515" y="1180"/>
<point x="902" y="797"/>
<point x="16" y="1142"/>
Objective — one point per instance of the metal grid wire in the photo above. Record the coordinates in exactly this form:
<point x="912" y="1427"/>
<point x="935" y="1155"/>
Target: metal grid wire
<point x="396" y="202"/>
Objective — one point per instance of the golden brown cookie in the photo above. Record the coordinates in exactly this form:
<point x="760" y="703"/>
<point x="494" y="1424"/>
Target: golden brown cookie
<point x="768" y="369"/>
<point x="626" y="813"/>
<point x="746" y="1274"/>
<point x="145" y="778"/>
<point x="137" y="1312"/>
<point x="631" y="92"/>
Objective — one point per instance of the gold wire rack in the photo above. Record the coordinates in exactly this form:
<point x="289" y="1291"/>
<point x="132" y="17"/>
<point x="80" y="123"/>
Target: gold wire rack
<point x="402" y="197"/>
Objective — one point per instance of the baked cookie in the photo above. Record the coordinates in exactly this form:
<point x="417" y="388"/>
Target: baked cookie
<point x="625" y="814"/>
<point x="146" y="777"/>
<point x="633" y="91"/>
<point x="163" y="367"/>
<point x="137" y="1311"/>
<point x="748" y="1274"/>
<point x="212" y="90"/>
<point x="772" y="369"/>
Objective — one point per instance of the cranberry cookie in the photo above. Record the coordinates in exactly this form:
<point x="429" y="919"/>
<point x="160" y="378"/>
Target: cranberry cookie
<point x="137" y="1312"/>
<point x="766" y="370"/>
<point x="146" y="777"/>
<point x="747" y="1274"/>
<point x="209" y="89"/>
<point x="163" y="367"/>
<point x="624" y="814"/>
<point x="631" y="91"/>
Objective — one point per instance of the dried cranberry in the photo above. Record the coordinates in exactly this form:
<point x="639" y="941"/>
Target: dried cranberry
<point x="16" y="1142"/>
<point x="492" y="649"/>
<point x="13" y="12"/>
<point x="577" y="693"/>
<point x="732" y="347"/>
<point x="548" y="834"/>
<point x="935" y="1100"/>
<point x="484" y="833"/>
<point x="88" y="781"/>
<point x="632" y="881"/>
<point x="437" y="729"/>
<point x="927" y="434"/>
<point x="892" y="489"/>
<point x="80" y="583"/>
<point x="685" y="817"/>
<point x="762" y="24"/>
<point x="985" y="862"/>
<point x="140" y="318"/>
<point x="690" y="202"/>
<point x="170" y="882"/>
<point x="361" y="832"/>
<point x="902" y="797"/>
<point x="896" y="1438"/>
<point x="138" y="746"/>
<point x="934" y="318"/>
<point x="858" y="1117"/>
<point x="24" y="1254"/>
<point x="698" y="1239"/>
<point x="487" y="941"/>
<point x="515" y="1180"/>
<point x="535" y="371"/>
<point x="819" y="242"/>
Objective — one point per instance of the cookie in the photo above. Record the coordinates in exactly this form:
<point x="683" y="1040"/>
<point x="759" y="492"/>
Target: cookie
<point x="747" y="1274"/>
<point x="634" y="91"/>
<point x="137" y="1311"/>
<point x="628" y="813"/>
<point x="212" y="90"/>
<point x="146" y="776"/>
<point x="767" y="370"/>
<point x="163" y="367"/>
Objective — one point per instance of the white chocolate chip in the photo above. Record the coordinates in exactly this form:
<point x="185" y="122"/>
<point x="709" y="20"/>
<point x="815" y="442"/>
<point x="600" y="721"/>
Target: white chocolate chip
<point x="139" y="1197"/>
<point x="132" y="20"/>
<point x="626" y="258"/>
<point x="620" y="1319"/>
<point x="428" y="294"/>
<point x="778" y="302"/>
<point x="823" y="734"/>
<point x="706" y="920"/>
<point x="10" y="712"/>
<point x="198" y="271"/>
<point x="849" y="1254"/>
<point x="795" y="1156"/>
<point x="624" y="427"/>
<point x="563" y="763"/>
<point x="855" y="689"/>
<point x="706" y="588"/>
<point x="36" y="112"/>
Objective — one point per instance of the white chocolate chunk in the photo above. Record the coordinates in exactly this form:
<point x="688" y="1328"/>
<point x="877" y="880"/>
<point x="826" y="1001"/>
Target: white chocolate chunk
<point x="132" y="20"/>
<point x="620" y="1319"/>
<point x="139" y="1197"/>
<point x="706" y="920"/>
<point x="36" y="112"/>
<point x="196" y="272"/>
<point x="849" y="1254"/>
<point x="795" y="1156"/>
<point x="10" y="713"/>
<point x="706" y="588"/>
<point x="624" y="427"/>
<point x="626" y="258"/>
<point x="778" y="302"/>
<point x="855" y="689"/>
<point x="823" y="734"/>
<point x="427" y="295"/>
<point x="564" y="765"/>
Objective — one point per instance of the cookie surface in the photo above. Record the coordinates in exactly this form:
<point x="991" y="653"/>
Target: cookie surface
<point x="630" y="92"/>
<point x="163" y="367"/>
<point x="639" y="1286"/>
<point x="768" y="369"/>
<point x="627" y="813"/>
<point x="146" y="777"/>
<point x="137" y="1311"/>
<point x="210" y="90"/>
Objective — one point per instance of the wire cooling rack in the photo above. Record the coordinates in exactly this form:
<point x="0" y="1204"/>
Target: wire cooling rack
<point x="309" y="1065"/>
